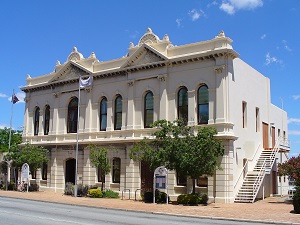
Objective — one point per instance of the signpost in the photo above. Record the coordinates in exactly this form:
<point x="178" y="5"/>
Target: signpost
<point x="160" y="181"/>
<point x="25" y="174"/>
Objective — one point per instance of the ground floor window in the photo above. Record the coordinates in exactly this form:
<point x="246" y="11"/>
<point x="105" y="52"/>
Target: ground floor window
<point x="202" y="181"/>
<point x="101" y="175"/>
<point x="44" y="171"/>
<point x="116" y="170"/>
<point x="181" y="179"/>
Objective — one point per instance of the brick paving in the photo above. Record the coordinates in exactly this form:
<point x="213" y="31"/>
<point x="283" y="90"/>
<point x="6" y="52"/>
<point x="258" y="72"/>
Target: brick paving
<point x="272" y="210"/>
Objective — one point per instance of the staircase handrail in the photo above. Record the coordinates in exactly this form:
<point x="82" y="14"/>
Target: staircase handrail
<point x="246" y="164"/>
<point x="275" y="150"/>
<point x="258" y="180"/>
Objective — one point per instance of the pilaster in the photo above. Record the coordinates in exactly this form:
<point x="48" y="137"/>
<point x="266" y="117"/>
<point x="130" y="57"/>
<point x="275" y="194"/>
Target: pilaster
<point x="163" y="104"/>
<point x="131" y="107"/>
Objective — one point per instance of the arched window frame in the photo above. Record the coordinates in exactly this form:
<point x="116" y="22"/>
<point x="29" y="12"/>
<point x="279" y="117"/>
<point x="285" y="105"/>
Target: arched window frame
<point x="182" y="104"/>
<point x="116" y="170"/>
<point x="118" y="113"/>
<point x="46" y="120"/>
<point x="103" y="114"/>
<point x="203" y="105"/>
<point x="148" y="109"/>
<point x="72" y="115"/>
<point x="36" y="123"/>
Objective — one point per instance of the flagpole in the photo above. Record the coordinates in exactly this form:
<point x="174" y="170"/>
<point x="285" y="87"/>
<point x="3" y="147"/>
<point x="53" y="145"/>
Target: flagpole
<point x="9" y="139"/>
<point x="76" y="154"/>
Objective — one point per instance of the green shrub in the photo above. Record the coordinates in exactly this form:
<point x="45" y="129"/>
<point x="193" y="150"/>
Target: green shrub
<point x="160" y="197"/>
<point x="110" y="194"/>
<point x="69" y="188"/>
<point x="204" y="198"/>
<point x="11" y="186"/>
<point x="95" y="193"/>
<point x="82" y="190"/>
<point x="33" y="187"/>
<point x="296" y="201"/>
<point x="192" y="199"/>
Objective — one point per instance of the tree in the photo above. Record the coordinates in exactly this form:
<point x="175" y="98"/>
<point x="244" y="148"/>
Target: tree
<point x="16" y="139"/>
<point x="34" y="156"/>
<point x="177" y="147"/>
<point x="99" y="159"/>
<point x="291" y="168"/>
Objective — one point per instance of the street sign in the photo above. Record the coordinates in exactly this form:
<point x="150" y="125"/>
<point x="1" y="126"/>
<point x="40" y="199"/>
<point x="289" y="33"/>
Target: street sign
<point x="25" y="171"/>
<point x="160" y="180"/>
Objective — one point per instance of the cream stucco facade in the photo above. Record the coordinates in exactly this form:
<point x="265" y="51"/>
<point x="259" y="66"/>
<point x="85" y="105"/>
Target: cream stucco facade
<point x="239" y="106"/>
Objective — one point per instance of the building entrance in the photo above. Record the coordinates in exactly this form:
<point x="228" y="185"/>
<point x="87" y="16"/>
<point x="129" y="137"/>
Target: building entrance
<point x="146" y="177"/>
<point x="70" y="171"/>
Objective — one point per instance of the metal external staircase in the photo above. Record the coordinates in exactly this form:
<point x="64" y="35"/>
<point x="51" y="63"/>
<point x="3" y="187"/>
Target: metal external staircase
<point x="253" y="179"/>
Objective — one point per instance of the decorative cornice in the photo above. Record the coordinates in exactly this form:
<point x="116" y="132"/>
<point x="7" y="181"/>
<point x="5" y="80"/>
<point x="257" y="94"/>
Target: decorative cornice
<point x="130" y="83"/>
<point x="162" y="77"/>
<point x="219" y="69"/>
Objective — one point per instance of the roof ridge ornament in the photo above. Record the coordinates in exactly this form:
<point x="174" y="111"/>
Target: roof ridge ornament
<point x="149" y="38"/>
<point x="75" y="55"/>
<point x="221" y="34"/>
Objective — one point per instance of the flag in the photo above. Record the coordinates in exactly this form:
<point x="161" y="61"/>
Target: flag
<point x="85" y="83"/>
<point x="14" y="99"/>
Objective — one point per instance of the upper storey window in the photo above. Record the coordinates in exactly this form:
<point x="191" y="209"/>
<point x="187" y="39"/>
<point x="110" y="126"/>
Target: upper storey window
<point x="72" y="115"/>
<point x="182" y="106"/>
<point x="46" y="120"/>
<point x="202" y="104"/>
<point x="148" y="109"/>
<point x="103" y="114"/>
<point x="36" y="120"/>
<point x="118" y="113"/>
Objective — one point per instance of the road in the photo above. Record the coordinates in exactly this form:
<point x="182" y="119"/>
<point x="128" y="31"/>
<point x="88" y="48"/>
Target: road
<point x="26" y="212"/>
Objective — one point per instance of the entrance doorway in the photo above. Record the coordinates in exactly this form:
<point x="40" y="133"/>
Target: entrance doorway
<point x="70" y="171"/>
<point x="146" y="177"/>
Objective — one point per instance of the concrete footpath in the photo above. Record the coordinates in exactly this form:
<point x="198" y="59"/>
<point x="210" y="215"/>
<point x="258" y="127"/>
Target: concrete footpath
<point x="273" y="210"/>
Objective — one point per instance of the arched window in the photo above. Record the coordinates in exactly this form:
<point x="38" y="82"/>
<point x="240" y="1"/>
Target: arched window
<point x="118" y="113"/>
<point x="46" y="120"/>
<point x="203" y="104"/>
<point x="148" y="109"/>
<point x="103" y="114"/>
<point x="72" y="115"/>
<point x="36" y="120"/>
<point x="182" y="106"/>
<point x="116" y="173"/>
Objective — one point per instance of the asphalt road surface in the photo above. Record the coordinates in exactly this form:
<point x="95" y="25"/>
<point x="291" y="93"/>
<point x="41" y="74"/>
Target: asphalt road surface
<point x="26" y="212"/>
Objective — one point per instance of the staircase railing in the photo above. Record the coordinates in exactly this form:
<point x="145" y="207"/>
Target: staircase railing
<point x="244" y="168"/>
<point x="258" y="181"/>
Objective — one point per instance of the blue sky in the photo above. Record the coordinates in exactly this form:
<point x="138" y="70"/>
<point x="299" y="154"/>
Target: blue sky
<point x="35" y="34"/>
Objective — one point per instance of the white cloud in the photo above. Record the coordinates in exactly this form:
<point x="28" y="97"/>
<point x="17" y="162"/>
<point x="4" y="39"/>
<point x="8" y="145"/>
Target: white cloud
<point x="20" y="96"/>
<point x="3" y="95"/>
<point x="296" y="97"/>
<point x="178" y="21"/>
<point x="226" y="7"/>
<point x="231" y="6"/>
<point x="286" y="47"/>
<point x="2" y="126"/>
<point x="294" y="132"/>
<point x="195" y="15"/>
<point x="212" y="4"/>
<point x="272" y="59"/>
<point x="293" y="120"/>
<point x="263" y="36"/>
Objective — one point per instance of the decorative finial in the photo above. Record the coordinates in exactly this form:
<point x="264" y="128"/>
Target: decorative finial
<point x="149" y="30"/>
<point x="74" y="49"/>
<point x="28" y="76"/>
<point x="221" y="34"/>
<point x="131" y="45"/>
<point x="166" y="37"/>
<point x="57" y="63"/>
<point x="92" y="56"/>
